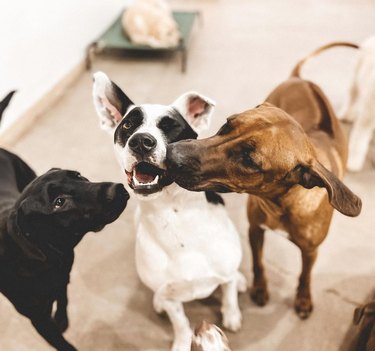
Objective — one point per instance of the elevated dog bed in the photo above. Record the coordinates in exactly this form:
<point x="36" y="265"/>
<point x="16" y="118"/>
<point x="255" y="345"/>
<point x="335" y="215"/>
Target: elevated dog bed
<point x="115" y="38"/>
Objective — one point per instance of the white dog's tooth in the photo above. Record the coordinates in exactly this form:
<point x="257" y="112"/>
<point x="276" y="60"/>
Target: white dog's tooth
<point x="135" y="180"/>
<point x="155" y="181"/>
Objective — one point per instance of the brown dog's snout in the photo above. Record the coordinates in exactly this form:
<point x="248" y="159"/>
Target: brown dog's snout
<point x="182" y="158"/>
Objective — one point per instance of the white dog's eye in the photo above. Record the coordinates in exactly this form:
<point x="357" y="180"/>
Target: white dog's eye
<point x="127" y="125"/>
<point x="59" y="202"/>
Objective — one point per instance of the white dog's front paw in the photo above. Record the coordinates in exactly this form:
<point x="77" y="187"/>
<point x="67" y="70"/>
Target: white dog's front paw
<point x="232" y="319"/>
<point x="182" y="342"/>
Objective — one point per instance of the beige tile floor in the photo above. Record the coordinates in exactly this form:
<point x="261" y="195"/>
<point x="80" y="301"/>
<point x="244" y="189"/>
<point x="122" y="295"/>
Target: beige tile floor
<point x="241" y="52"/>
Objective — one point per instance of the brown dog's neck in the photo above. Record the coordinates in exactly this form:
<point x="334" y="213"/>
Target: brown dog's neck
<point x="280" y="204"/>
<point x="270" y="205"/>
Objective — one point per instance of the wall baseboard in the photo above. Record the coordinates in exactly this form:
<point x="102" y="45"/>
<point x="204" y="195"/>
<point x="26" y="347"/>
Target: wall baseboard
<point x="26" y="121"/>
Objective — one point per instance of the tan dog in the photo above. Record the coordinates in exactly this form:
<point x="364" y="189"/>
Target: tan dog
<point x="150" y="22"/>
<point x="360" y="107"/>
<point x="209" y="337"/>
<point x="290" y="158"/>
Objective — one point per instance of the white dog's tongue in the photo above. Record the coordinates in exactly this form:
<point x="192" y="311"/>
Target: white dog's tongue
<point x="144" y="178"/>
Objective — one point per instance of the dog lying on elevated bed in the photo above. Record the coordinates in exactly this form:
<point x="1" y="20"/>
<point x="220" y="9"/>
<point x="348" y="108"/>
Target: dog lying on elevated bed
<point x="186" y="245"/>
<point x="42" y="219"/>
<point x="289" y="154"/>
<point x="150" y="22"/>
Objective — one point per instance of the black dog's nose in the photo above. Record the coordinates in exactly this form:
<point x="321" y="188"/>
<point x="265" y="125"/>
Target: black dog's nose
<point x="116" y="191"/>
<point x="142" y="143"/>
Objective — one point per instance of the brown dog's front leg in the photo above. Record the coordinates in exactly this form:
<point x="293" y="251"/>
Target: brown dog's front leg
<point x="303" y="304"/>
<point x="258" y="292"/>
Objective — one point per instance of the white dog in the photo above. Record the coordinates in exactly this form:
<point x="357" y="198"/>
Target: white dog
<point x="361" y="106"/>
<point x="150" y="22"/>
<point x="186" y="245"/>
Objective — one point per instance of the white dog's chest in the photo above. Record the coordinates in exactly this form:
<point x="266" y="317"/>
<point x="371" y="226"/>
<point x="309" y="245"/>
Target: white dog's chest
<point x="186" y="243"/>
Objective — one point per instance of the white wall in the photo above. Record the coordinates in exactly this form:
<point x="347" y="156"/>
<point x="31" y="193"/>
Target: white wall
<point x="42" y="40"/>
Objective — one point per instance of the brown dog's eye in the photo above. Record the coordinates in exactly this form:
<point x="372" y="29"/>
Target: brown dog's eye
<point x="247" y="159"/>
<point x="59" y="202"/>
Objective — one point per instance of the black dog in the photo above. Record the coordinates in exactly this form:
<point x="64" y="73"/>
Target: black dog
<point x="42" y="219"/>
<point x="5" y="102"/>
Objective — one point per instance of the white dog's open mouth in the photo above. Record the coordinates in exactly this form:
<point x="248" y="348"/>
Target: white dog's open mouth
<point x="146" y="178"/>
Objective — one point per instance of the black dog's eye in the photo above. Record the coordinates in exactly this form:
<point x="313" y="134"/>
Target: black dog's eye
<point x="59" y="202"/>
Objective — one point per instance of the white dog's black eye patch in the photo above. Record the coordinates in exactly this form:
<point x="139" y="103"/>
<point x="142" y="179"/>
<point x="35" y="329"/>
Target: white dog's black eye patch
<point x="128" y="126"/>
<point x="175" y="127"/>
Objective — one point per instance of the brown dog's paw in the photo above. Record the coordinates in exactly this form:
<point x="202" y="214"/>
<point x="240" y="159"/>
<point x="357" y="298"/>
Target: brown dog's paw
<point x="303" y="307"/>
<point x="259" y="295"/>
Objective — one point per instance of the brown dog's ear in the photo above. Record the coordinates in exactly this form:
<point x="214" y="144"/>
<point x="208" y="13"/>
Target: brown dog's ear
<point x="340" y="196"/>
<point x="110" y="101"/>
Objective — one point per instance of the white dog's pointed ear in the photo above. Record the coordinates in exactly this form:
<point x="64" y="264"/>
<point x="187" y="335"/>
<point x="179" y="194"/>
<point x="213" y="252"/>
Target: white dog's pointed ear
<point x="196" y="109"/>
<point x="110" y="101"/>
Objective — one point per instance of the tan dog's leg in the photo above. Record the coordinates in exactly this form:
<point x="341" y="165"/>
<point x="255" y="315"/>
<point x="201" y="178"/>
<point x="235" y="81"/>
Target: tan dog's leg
<point x="303" y="303"/>
<point x="258" y="292"/>
<point x="348" y="112"/>
<point x="360" y="139"/>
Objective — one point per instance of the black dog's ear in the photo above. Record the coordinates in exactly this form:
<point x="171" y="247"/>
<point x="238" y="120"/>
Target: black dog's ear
<point x="340" y="196"/>
<point x="54" y="170"/>
<point x="5" y="102"/>
<point x="18" y="229"/>
<point x="110" y="102"/>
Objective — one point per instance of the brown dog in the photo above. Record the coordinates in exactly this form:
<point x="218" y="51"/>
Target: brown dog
<point x="289" y="154"/>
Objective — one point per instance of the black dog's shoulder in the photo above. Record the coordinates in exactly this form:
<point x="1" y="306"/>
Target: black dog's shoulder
<point x="3" y="246"/>
<point x="214" y="198"/>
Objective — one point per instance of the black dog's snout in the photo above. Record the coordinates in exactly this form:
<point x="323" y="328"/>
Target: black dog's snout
<point x="115" y="191"/>
<point x="142" y="143"/>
